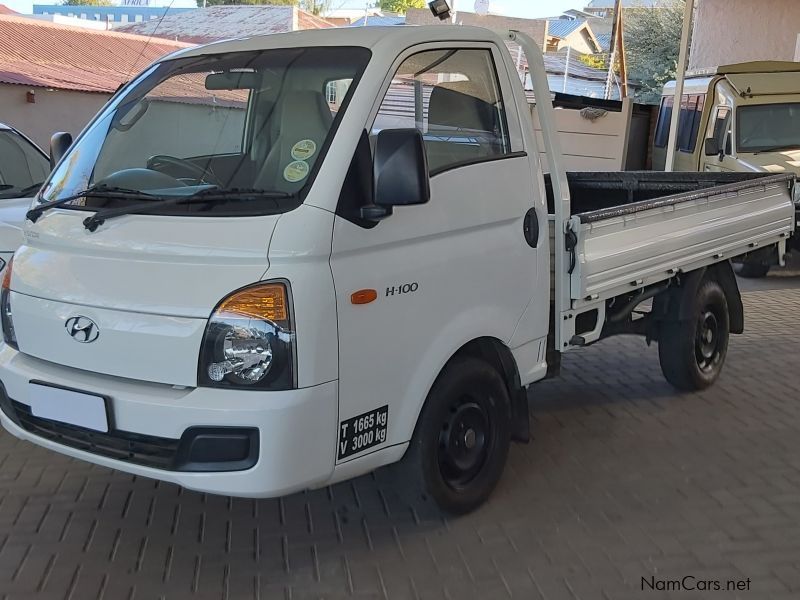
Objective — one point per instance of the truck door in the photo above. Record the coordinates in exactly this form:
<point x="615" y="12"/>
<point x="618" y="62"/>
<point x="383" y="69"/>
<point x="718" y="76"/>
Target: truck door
<point x="446" y="272"/>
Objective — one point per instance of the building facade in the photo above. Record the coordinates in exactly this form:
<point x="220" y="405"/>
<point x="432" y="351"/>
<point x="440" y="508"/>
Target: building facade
<point x="56" y="77"/>
<point x="734" y="31"/>
<point x="110" y="14"/>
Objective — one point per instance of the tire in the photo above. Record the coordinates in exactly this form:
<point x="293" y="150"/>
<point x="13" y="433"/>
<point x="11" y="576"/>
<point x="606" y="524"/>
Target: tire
<point x="692" y="352"/>
<point x="753" y="270"/>
<point x="461" y="440"/>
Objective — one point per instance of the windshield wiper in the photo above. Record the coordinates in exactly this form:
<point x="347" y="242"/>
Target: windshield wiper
<point x="778" y="148"/>
<point x="208" y="195"/>
<point x="101" y="191"/>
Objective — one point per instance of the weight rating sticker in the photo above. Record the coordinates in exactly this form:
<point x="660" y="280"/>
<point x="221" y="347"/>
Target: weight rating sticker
<point x="363" y="432"/>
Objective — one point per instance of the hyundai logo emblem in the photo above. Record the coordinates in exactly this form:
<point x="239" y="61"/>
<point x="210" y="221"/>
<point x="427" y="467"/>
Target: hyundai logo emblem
<point x="82" y="329"/>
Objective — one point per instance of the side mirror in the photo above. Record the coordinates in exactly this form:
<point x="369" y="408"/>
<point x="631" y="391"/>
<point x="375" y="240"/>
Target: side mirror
<point x="59" y="144"/>
<point x="401" y="172"/>
<point x="712" y="147"/>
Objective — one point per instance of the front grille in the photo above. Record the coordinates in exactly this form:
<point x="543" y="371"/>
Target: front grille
<point x="146" y="450"/>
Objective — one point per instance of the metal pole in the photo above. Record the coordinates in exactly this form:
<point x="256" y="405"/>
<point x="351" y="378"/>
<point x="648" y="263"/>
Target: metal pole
<point x="612" y="59"/>
<point x="679" y="79"/>
<point x="623" y="66"/>
<point x="566" y="70"/>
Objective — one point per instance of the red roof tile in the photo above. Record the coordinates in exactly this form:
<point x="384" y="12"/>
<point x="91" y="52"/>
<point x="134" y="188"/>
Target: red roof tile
<point x="44" y="54"/>
<point x="4" y="10"/>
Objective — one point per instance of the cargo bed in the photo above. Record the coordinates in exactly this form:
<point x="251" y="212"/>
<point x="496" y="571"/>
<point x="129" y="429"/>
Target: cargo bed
<point x="635" y="229"/>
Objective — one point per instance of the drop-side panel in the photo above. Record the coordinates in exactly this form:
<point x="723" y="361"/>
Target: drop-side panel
<point x="624" y="248"/>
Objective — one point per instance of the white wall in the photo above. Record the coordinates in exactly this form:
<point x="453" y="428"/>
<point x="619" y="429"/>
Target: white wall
<point x="56" y="110"/>
<point x="586" y="145"/>
<point x="734" y="31"/>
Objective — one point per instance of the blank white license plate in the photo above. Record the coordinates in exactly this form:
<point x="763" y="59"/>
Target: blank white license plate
<point x="67" y="406"/>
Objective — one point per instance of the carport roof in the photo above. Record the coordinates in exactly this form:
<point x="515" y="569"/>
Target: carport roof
<point x="44" y="54"/>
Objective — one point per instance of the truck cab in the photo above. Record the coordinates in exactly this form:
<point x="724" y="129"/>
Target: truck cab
<point x="741" y="117"/>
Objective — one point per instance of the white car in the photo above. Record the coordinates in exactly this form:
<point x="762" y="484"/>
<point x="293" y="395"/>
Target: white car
<point x="23" y="169"/>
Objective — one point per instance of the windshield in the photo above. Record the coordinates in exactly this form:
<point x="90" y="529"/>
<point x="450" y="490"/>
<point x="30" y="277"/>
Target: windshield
<point x="768" y="127"/>
<point x="23" y="167"/>
<point x="240" y="122"/>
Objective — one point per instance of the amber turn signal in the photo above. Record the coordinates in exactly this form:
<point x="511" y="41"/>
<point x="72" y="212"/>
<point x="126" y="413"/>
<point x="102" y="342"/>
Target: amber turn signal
<point x="268" y="301"/>
<point x="7" y="275"/>
<point x="363" y="296"/>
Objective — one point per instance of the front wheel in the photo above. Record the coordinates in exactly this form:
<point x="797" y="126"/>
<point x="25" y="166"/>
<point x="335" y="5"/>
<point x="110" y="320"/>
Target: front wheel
<point x="461" y="440"/>
<point x="692" y="351"/>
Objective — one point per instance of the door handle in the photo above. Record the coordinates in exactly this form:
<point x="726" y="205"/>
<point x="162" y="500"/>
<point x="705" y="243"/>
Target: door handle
<point x="530" y="228"/>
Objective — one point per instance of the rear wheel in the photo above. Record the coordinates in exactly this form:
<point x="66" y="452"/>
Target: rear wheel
<point x="754" y="270"/>
<point x="692" y="351"/>
<point x="461" y="441"/>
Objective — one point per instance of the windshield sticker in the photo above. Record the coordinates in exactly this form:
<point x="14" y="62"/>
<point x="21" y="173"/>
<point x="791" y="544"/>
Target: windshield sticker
<point x="304" y="149"/>
<point x="296" y="171"/>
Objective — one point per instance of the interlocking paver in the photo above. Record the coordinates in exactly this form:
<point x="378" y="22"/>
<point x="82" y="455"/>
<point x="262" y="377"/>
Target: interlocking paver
<point x="625" y="479"/>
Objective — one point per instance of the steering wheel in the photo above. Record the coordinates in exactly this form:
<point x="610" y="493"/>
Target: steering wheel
<point x="159" y="161"/>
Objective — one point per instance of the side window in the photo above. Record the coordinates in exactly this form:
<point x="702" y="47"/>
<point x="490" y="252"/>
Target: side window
<point x="689" y="123"/>
<point x="664" y="117"/>
<point x="453" y="97"/>
<point x="20" y="165"/>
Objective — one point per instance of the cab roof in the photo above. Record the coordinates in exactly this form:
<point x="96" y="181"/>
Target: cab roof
<point x="761" y="66"/>
<point x="392" y="39"/>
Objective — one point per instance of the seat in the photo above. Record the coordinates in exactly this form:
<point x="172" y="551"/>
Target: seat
<point x="303" y="121"/>
<point x="463" y="125"/>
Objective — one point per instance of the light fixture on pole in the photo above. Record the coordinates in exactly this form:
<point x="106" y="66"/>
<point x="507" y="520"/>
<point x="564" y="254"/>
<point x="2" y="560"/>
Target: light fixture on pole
<point x="440" y="9"/>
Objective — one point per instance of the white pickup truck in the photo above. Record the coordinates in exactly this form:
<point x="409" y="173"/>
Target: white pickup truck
<point x="253" y="273"/>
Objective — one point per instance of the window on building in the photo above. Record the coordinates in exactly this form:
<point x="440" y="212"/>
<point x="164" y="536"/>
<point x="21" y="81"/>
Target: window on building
<point x="138" y="18"/>
<point x="452" y="96"/>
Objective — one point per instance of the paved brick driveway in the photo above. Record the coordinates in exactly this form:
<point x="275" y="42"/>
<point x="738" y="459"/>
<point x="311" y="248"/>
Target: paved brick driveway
<point x="624" y="480"/>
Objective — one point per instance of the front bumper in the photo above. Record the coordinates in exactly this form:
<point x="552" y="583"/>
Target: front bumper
<point x="295" y="441"/>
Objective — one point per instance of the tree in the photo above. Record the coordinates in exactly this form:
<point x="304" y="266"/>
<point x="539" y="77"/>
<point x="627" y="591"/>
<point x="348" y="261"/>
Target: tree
<point x="401" y="6"/>
<point x="652" y="38"/>
<point x="87" y="3"/>
<point x="316" y="7"/>
<point x="202" y="3"/>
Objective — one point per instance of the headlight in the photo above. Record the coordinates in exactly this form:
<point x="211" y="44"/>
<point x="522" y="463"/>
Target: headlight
<point x="249" y="341"/>
<point x="9" y="335"/>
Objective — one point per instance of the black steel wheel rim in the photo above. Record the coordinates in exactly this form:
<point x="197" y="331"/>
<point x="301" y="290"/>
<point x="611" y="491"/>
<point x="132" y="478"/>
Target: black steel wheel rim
<point x="466" y="439"/>
<point x="708" y="341"/>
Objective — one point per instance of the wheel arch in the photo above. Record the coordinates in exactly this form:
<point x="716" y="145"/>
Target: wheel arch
<point x="495" y="353"/>
<point x="678" y="302"/>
